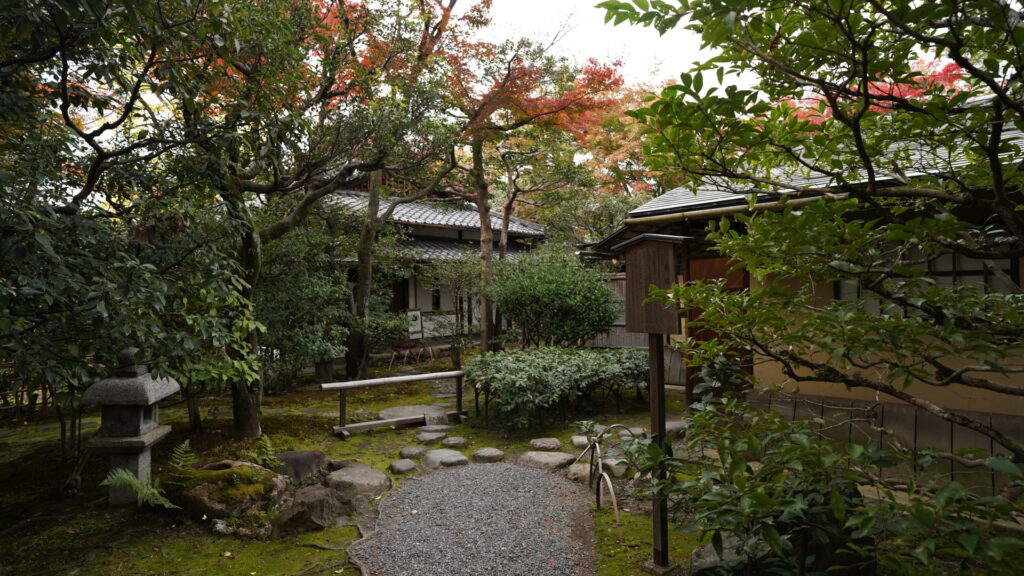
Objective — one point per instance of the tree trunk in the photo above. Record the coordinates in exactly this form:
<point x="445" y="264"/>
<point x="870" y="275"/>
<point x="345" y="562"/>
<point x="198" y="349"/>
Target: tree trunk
<point x="246" y="396"/>
<point x="195" y="417"/>
<point x="483" y="199"/>
<point x="245" y="410"/>
<point x="357" y="356"/>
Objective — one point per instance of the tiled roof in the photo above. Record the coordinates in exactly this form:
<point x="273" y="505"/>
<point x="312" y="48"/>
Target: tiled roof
<point x="426" y="213"/>
<point x="433" y="250"/>
<point x="919" y="160"/>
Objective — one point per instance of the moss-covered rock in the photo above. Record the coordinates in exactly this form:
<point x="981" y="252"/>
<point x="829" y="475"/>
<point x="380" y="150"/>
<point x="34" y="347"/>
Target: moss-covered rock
<point x="229" y="488"/>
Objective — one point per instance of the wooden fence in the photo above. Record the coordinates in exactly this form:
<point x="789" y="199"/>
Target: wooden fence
<point x="864" y="422"/>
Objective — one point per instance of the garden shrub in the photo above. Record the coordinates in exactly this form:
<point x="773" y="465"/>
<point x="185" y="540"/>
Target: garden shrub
<point x="788" y="498"/>
<point x="552" y="298"/>
<point x="523" y="385"/>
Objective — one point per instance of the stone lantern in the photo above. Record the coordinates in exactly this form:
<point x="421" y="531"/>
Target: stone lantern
<point x="129" y="419"/>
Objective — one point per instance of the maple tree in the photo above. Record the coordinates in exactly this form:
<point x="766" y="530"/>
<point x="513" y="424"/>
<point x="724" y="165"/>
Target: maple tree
<point x="500" y="91"/>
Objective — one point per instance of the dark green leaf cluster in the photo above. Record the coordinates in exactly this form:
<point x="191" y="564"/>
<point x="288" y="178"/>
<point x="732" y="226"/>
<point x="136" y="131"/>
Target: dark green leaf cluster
<point x="528" y="386"/>
<point x="787" y="499"/>
<point x="553" y="299"/>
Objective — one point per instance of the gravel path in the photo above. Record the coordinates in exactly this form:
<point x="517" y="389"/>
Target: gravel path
<point x="481" y="519"/>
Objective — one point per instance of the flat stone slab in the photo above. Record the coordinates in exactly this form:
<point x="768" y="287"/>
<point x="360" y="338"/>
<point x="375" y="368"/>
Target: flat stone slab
<point x="443" y="458"/>
<point x="436" y="428"/>
<point x="549" y="444"/>
<point x="410" y="411"/>
<point x="431" y="437"/>
<point x="580" y="441"/>
<point x="488" y="455"/>
<point x="612" y="466"/>
<point x="413" y="452"/>
<point x="637" y="431"/>
<point x="455" y="442"/>
<point x="579" y="472"/>
<point x="358" y="483"/>
<point x="676" y="428"/>
<point x="403" y="466"/>
<point x="546" y="460"/>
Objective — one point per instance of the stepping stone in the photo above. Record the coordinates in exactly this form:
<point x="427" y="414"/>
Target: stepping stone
<point x="580" y="441"/>
<point x="637" y="431"/>
<point x="403" y="466"/>
<point x="358" y="483"/>
<point x="488" y="455"/>
<point x="547" y="444"/>
<point x="546" y="460"/>
<point x="431" y="437"/>
<point x="579" y="472"/>
<point x="455" y="442"/>
<point x="676" y="428"/>
<point x="599" y="428"/>
<point x="443" y="457"/>
<point x="436" y="428"/>
<point x="413" y="452"/>
<point x="415" y="410"/>
<point x="612" y="466"/>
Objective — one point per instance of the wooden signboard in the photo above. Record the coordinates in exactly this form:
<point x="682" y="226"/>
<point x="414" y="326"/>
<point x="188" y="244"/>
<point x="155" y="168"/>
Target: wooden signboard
<point x="651" y="261"/>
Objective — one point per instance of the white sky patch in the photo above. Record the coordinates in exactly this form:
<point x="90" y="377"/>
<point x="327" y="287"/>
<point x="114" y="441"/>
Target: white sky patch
<point x="646" y="57"/>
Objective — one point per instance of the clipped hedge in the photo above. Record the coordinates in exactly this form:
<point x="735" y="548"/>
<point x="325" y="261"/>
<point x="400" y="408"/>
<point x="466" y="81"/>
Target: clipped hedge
<point x="523" y="385"/>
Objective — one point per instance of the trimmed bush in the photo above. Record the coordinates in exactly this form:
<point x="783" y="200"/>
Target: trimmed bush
<point x="523" y="385"/>
<point x="553" y="299"/>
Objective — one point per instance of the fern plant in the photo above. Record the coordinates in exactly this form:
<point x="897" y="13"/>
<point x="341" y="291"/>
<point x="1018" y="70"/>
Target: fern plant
<point x="263" y="454"/>
<point x="182" y="459"/>
<point x="150" y="493"/>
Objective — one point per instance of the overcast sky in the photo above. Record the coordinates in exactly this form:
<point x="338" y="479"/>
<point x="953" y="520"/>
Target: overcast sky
<point x="646" y="56"/>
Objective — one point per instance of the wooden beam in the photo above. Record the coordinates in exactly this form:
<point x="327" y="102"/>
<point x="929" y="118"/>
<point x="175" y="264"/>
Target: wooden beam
<point x="391" y="380"/>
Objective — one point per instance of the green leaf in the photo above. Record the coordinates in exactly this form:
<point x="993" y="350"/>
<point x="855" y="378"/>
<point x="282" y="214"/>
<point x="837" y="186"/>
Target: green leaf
<point x="1005" y="466"/>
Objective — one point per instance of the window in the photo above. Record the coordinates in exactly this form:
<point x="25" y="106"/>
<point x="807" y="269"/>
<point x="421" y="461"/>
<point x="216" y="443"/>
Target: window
<point x="435" y="299"/>
<point x="947" y="270"/>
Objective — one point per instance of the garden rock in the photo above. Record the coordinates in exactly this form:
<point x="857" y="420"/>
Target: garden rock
<point x="333" y="465"/>
<point x="357" y="484"/>
<point x="403" y="466"/>
<point x="579" y="472"/>
<point x="704" y="561"/>
<point x="413" y="452"/>
<point x="612" y="466"/>
<point x="443" y="458"/>
<point x="436" y="428"/>
<point x="231" y="489"/>
<point x="415" y="410"/>
<point x="311" y="508"/>
<point x="676" y="428"/>
<point x="633" y="431"/>
<point x="546" y="460"/>
<point x="455" y="442"/>
<point x="431" y="437"/>
<point x="298" y="464"/>
<point x="580" y="442"/>
<point x="488" y="455"/>
<point x="547" y="444"/>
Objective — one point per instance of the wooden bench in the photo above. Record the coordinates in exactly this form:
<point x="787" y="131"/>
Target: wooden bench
<point x="344" y="430"/>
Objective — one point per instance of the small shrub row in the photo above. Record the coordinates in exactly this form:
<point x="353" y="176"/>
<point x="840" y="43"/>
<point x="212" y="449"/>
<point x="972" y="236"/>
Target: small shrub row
<point x="523" y="385"/>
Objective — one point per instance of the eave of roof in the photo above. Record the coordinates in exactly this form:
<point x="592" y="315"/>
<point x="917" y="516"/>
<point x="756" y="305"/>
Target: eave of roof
<point x="436" y="215"/>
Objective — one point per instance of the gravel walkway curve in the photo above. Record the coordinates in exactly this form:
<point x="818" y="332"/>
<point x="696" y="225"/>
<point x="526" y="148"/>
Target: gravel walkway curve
<point x="481" y="520"/>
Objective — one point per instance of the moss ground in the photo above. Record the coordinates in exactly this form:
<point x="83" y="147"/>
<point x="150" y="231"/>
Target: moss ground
<point x="42" y="533"/>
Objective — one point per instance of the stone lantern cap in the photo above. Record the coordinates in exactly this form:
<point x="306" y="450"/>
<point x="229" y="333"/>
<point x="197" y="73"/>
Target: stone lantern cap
<point x="132" y="385"/>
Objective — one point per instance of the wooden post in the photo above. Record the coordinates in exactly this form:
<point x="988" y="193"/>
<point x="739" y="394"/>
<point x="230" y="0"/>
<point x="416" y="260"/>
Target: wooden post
<point x="341" y="408"/>
<point x="458" y="396"/>
<point x="657" y="394"/>
<point x="651" y="261"/>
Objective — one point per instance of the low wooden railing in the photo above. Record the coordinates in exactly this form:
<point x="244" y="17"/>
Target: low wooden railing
<point x="344" y="429"/>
